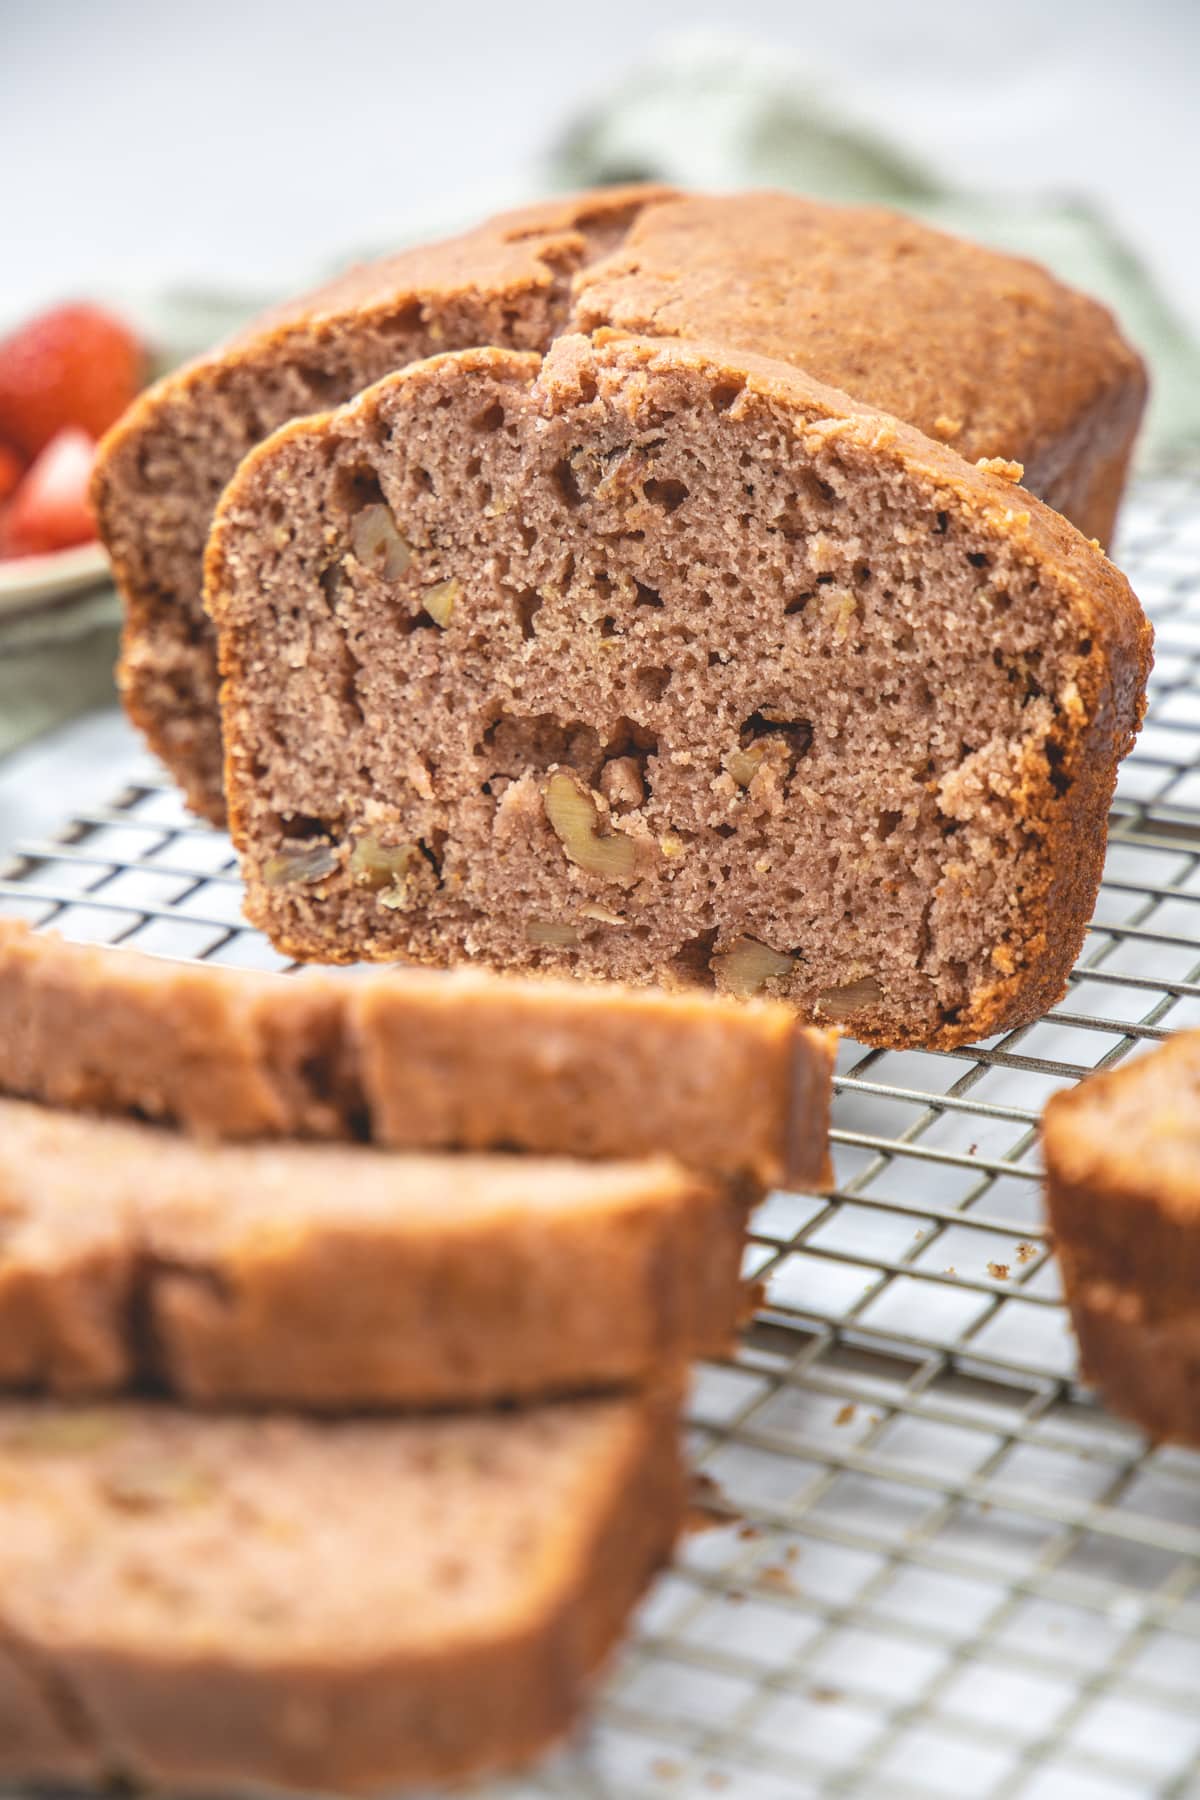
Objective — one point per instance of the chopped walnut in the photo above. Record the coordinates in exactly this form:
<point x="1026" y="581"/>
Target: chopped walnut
<point x="552" y="931"/>
<point x="844" y="1002"/>
<point x="311" y="862"/>
<point x="603" y="915"/>
<point x="399" y="875"/>
<point x="575" y="820"/>
<point x="748" y="965"/>
<point x="621" y="782"/>
<point x="440" y="600"/>
<point x="377" y="543"/>
<point x="376" y="866"/>
<point x="743" y="765"/>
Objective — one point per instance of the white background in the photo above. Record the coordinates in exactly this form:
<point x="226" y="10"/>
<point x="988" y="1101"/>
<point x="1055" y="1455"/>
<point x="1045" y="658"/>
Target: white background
<point x="248" y="142"/>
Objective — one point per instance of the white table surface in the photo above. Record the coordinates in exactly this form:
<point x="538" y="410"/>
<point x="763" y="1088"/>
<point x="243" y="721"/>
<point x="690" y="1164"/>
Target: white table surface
<point x="247" y="141"/>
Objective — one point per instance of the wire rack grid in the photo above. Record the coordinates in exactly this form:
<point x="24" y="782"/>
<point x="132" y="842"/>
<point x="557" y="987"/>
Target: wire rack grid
<point x="937" y="1567"/>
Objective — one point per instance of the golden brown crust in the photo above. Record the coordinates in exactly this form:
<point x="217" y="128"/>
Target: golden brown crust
<point x="982" y="349"/>
<point x="1144" y="1366"/>
<point x="734" y="1089"/>
<point x="418" y="1060"/>
<point x="359" y="1711"/>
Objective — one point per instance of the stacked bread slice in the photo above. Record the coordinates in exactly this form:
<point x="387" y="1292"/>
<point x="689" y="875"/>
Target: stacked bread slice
<point x="341" y="1464"/>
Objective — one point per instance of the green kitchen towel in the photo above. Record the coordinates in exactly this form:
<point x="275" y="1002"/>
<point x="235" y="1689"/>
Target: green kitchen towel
<point x="716" y="113"/>
<point x="707" y="113"/>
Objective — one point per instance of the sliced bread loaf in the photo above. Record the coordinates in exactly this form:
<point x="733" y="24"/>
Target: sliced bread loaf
<point x="1123" y="1191"/>
<point x="417" y="1061"/>
<point x="341" y="1276"/>
<point x="211" y="1605"/>
<point x="659" y="661"/>
<point x="975" y="348"/>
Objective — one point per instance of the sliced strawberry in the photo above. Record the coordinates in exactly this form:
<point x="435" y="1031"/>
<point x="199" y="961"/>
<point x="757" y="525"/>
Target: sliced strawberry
<point x="49" y="510"/>
<point x="75" y="365"/>
<point x="12" y="467"/>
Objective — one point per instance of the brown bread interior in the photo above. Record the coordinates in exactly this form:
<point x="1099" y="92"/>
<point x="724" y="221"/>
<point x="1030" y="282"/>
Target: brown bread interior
<point x="649" y="665"/>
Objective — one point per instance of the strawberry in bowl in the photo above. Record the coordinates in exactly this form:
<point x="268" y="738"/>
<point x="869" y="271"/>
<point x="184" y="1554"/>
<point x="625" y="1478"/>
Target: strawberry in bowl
<point x="65" y="377"/>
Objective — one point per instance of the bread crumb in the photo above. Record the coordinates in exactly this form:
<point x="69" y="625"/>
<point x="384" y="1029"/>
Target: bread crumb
<point x="708" y="1509"/>
<point x="998" y="1271"/>
<point x="826" y="1696"/>
<point x="945" y="427"/>
<point x="845" y="1415"/>
<point x="1026" y="1252"/>
<point x="663" y="1769"/>
<point x="773" y="1576"/>
<point x="999" y="465"/>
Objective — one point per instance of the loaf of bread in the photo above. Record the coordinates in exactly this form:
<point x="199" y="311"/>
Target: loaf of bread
<point x="212" y="1605"/>
<point x="977" y="349"/>
<point x="654" y="660"/>
<point x="416" y="1060"/>
<point x="1123" y="1192"/>
<point x="339" y="1276"/>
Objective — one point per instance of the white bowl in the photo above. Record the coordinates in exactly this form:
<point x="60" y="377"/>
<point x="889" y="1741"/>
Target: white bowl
<point x="30" y="581"/>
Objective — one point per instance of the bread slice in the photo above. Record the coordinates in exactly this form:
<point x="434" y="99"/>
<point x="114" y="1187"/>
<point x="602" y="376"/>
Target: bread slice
<point x="1123" y="1192"/>
<point x="341" y="1276"/>
<point x="655" y="661"/>
<point x="979" y="349"/>
<point x="418" y="1061"/>
<point x="213" y="1605"/>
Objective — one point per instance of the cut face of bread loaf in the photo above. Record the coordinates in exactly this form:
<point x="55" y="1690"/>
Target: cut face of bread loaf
<point x="980" y="350"/>
<point x="1123" y="1192"/>
<point x="417" y="1060"/>
<point x="214" y="1605"/>
<point x="341" y="1276"/>
<point x="652" y="662"/>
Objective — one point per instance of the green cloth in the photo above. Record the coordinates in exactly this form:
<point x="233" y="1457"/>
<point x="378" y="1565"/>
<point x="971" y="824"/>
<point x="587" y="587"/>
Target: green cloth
<point x="56" y="663"/>
<point x="704" y="115"/>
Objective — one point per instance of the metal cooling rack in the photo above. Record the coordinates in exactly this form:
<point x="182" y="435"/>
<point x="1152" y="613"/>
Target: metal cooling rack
<point x="945" y="1571"/>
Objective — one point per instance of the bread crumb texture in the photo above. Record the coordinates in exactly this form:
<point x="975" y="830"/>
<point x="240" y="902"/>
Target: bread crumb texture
<point x="743" y="684"/>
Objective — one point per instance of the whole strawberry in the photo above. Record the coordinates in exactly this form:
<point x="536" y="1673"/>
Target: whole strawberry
<point x="74" y="366"/>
